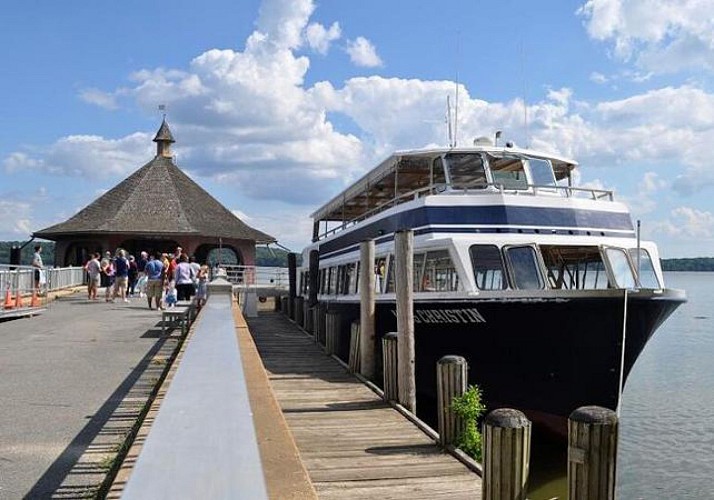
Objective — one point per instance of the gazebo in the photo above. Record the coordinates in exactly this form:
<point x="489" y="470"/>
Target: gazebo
<point x="157" y="208"/>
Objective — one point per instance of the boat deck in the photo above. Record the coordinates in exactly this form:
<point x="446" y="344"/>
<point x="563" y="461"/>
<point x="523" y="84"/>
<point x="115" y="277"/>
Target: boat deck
<point x="352" y="443"/>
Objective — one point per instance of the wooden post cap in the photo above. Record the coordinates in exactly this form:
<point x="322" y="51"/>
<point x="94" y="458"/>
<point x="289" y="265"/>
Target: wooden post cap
<point x="507" y="418"/>
<point x="594" y="415"/>
<point x="391" y="336"/>
<point x="452" y="359"/>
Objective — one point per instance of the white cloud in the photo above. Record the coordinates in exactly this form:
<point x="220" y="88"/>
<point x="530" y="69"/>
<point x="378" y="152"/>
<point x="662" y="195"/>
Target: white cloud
<point x="687" y="222"/>
<point x="363" y="53"/>
<point x="99" y="98"/>
<point x="660" y="35"/>
<point x="598" y="77"/>
<point x="319" y="38"/>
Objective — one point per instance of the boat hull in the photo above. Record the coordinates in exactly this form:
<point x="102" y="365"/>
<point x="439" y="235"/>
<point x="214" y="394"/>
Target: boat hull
<point x="544" y="356"/>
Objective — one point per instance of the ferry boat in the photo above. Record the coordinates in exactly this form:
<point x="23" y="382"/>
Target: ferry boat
<point x="528" y="277"/>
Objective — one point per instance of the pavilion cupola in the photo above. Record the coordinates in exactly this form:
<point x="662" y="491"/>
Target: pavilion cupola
<point x="163" y="140"/>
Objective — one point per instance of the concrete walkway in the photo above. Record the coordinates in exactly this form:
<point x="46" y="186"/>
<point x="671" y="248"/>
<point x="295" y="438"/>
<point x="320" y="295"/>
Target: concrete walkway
<point x="64" y="378"/>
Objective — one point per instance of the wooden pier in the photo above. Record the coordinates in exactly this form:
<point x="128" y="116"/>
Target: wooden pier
<point x="352" y="443"/>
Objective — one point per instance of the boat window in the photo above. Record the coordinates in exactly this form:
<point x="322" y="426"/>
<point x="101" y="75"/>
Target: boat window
<point x="508" y="172"/>
<point x="574" y="268"/>
<point x="355" y="280"/>
<point x="391" y="269"/>
<point x="524" y="268"/>
<point x="541" y="172"/>
<point x="647" y="275"/>
<point x="439" y="273"/>
<point x="380" y="271"/>
<point x="419" y="272"/>
<point x="437" y="172"/>
<point x="621" y="269"/>
<point x="349" y="278"/>
<point x="332" y="286"/>
<point x="466" y="171"/>
<point x="488" y="267"/>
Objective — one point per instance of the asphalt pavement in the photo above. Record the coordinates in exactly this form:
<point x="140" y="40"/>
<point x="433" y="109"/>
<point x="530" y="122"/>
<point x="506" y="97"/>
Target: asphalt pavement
<point x="62" y="375"/>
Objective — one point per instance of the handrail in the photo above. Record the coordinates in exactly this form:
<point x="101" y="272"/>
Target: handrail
<point x="203" y="442"/>
<point x="257" y="276"/>
<point x="482" y="188"/>
<point x="22" y="278"/>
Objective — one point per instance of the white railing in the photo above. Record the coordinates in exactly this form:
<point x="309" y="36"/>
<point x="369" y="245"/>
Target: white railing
<point x="22" y="278"/>
<point x="258" y="277"/>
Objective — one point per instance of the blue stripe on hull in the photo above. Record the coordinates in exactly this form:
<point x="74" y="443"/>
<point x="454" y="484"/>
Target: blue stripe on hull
<point x="495" y="215"/>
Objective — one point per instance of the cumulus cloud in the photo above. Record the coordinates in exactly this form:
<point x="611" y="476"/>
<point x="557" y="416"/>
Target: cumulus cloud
<point x="688" y="222"/>
<point x="99" y="98"/>
<point x="319" y="38"/>
<point x="363" y="53"/>
<point x="659" y="35"/>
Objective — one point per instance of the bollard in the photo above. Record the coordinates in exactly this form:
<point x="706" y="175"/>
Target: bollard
<point x="299" y="313"/>
<point x="389" y="359"/>
<point x="332" y="329"/>
<point x="451" y="378"/>
<point x="592" y="453"/>
<point x="321" y="324"/>
<point x="283" y="305"/>
<point x="276" y="303"/>
<point x="309" y="317"/>
<point x="506" y="455"/>
<point x="315" y="321"/>
<point x="354" y="348"/>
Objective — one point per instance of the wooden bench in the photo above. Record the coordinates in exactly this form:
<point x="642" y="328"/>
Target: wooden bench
<point x="174" y="315"/>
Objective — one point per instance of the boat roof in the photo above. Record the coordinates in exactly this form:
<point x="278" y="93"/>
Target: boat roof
<point x="379" y="186"/>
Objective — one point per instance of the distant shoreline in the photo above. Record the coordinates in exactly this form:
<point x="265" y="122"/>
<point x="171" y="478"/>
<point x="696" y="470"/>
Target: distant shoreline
<point x="704" y="264"/>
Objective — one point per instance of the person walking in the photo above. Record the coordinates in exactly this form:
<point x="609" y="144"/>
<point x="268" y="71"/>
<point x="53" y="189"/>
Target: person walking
<point x="154" y="270"/>
<point x="107" y="267"/>
<point x="94" y="272"/>
<point x="184" y="278"/>
<point x="121" y="275"/>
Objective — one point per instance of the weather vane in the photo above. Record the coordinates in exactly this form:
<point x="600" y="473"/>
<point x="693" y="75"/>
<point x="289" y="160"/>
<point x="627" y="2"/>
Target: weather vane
<point x="162" y="108"/>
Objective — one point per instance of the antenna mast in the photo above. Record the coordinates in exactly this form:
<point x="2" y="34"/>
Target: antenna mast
<point x="525" y="100"/>
<point x="456" y="106"/>
<point x="448" y="122"/>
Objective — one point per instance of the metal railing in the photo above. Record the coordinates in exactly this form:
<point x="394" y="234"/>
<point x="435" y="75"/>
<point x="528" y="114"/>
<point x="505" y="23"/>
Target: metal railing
<point x="22" y="278"/>
<point x="482" y="188"/>
<point x="257" y="277"/>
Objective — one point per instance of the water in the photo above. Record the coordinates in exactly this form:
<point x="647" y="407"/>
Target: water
<point x="666" y="447"/>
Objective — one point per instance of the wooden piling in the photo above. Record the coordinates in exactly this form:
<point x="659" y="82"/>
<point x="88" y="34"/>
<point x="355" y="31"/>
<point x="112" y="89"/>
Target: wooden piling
<point x="506" y="455"/>
<point x="404" y="257"/>
<point x="451" y="378"/>
<point x="309" y="323"/>
<point x="367" y="309"/>
<point x="354" y="348"/>
<point x="390" y="366"/>
<point x="313" y="271"/>
<point x="284" y="305"/>
<point x="332" y="331"/>
<point x="292" y="284"/>
<point x="299" y="311"/>
<point x="592" y="453"/>
<point x="321" y="324"/>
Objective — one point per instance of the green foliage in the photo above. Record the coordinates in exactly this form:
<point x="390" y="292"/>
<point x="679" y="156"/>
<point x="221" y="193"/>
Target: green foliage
<point x="696" y="264"/>
<point x="470" y="408"/>
<point x="48" y="252"/>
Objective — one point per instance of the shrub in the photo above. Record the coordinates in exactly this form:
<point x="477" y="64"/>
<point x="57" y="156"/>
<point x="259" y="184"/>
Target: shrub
<point x="470" y="408"/>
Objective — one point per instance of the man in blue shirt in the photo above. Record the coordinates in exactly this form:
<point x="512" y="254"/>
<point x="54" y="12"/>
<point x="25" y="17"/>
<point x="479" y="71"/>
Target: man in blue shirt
<point x="154" y="285"/>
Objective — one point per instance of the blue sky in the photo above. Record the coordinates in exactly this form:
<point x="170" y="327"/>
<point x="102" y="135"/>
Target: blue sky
<point x="278" y="104"/>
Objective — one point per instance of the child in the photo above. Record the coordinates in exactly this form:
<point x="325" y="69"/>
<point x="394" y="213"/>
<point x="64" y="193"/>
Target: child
<point x="170" y="298"/>
<point x="201" y="291"/>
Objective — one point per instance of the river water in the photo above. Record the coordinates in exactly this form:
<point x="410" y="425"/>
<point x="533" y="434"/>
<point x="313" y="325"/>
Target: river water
<point x="666" y="448"/>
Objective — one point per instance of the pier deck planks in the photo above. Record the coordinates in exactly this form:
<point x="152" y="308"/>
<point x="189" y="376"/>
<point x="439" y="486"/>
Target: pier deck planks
<point x="352" y="444"/>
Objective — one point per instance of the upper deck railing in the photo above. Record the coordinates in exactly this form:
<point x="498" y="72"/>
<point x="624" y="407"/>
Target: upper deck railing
<point x="482" y="188"/>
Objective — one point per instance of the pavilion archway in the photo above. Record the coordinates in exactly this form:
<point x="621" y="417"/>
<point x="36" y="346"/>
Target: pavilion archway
<point x="212" y="254"/>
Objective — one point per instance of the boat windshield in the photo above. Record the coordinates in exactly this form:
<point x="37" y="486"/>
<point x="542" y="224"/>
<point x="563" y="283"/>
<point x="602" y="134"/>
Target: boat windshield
<point x="523" y="262"/>
<point x="574" y="267"/>
<point x="541" y="172"/>
<point x="466" y="171"/>
<point x="508" y="171"/>
<point x="646" y="273"/>
<point x="621" y="269"/>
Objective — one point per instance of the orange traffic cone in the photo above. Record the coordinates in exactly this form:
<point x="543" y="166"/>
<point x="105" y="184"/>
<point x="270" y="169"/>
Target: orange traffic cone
<point x="9" y="304"/>
<point x="35" y="301"/>
<point x="18" y="300"/>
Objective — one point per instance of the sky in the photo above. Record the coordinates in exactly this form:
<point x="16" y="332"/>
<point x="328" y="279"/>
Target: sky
<point x="277" y="105"/>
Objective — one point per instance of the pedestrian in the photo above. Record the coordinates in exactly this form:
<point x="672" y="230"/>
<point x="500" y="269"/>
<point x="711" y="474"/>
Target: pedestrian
<point x="39" y="273"/>
<point x="154" y="285"/>
<point x="133" y="275"/>
<point x="121" y="275"/>
<point x="196" y="268"/>
<point x="202" y="290"/>
<point x="184" y="279"/>
<point x="107" y="267"/>
<point x="94" y="271"/>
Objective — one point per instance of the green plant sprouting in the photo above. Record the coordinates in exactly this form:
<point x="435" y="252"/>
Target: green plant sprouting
<point x="470" y="408"/>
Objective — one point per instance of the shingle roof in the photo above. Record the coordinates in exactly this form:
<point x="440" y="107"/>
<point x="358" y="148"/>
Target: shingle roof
<point x="164" y="133"/>
<point x="157" y="199"/>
